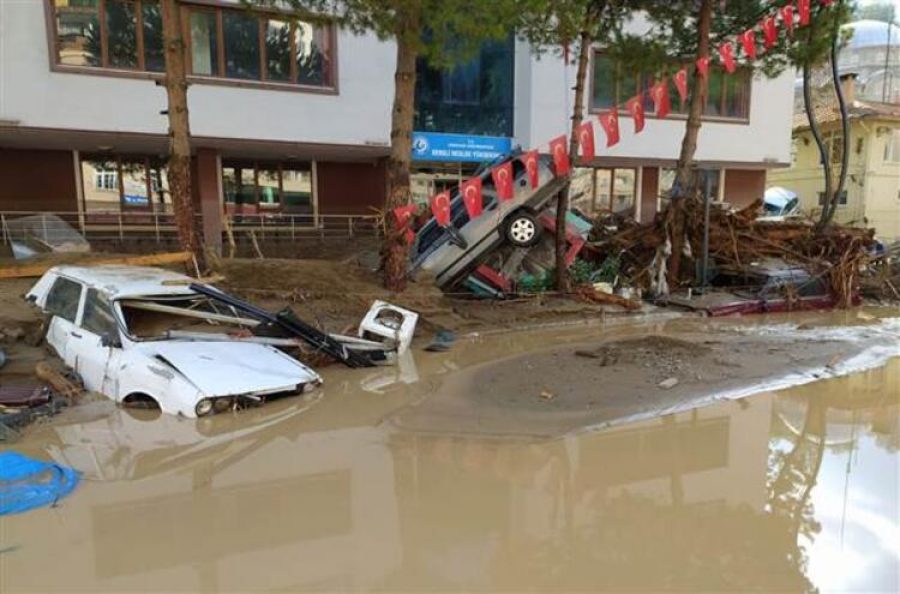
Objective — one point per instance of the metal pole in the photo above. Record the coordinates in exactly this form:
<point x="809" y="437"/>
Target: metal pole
<point x="888" y="77"/>
<point x="705" y="264"/>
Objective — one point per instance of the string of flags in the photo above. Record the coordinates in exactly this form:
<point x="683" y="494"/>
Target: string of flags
<point x="794" y="13"/>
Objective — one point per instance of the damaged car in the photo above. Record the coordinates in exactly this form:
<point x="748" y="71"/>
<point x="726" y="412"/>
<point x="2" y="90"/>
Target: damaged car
<point x="137" y="335"/>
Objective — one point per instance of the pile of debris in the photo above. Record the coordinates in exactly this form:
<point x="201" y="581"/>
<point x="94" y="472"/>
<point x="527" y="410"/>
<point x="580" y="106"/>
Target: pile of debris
<point x="736" y="239"/>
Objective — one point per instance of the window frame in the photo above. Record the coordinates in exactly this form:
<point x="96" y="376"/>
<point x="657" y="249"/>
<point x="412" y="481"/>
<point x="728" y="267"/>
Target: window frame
<point x="186" y="6"/>
<point x="650" y="113"/>
<point x="78" y="302"/>
<point x="104" y="303"/>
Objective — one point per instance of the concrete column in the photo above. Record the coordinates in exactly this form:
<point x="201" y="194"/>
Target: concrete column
<point x="209" y="197"/>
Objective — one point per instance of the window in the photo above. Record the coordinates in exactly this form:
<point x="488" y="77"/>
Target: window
<point x="230" y="43"/>
<point x="835" y="144"/>
<point x="611" y="85"/>
<point x="713" y="176"/>
<point x="892" y="147"/>
<point x="62" y="300"/>
<point x="243" y="45"/>
<point x="124" y="183"/>
<point x="98" y="315"/>
<point x="281" y="187"/>
<point x="842" y="198"/>
<point x="83" y="38"/>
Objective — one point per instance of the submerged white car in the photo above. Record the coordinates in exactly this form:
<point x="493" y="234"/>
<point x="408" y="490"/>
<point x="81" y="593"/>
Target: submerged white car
<point x="138" y="335"/>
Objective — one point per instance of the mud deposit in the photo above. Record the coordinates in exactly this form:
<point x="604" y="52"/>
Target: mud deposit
<point x="780" y="491"/>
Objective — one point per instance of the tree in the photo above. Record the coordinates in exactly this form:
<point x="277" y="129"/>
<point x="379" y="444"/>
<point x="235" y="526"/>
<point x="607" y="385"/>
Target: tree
<point x="443" y="32"/>
<point x="557" y="24"/>
<point x="179" y="166"/>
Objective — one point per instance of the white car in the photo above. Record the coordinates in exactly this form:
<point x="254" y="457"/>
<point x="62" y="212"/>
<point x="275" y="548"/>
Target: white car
<point x="114" y="326"/>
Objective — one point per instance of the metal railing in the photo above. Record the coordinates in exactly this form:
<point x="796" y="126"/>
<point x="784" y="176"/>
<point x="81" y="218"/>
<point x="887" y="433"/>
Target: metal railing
<point x="115" y="225"/>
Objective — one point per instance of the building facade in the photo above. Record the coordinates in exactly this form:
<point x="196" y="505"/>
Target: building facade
<point x="292" y="119"/>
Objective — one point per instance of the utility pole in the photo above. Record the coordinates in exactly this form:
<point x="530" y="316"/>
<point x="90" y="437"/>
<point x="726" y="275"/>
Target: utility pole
<point x="888" y="76"/>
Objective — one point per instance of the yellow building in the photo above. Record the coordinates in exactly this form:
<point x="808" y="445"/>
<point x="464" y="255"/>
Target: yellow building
<point x="872" y="191"/>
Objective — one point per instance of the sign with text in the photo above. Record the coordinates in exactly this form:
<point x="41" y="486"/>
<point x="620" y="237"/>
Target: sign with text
<point x="432" y="146"/>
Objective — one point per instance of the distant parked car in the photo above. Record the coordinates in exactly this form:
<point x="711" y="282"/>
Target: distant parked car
<point x="451" y="253"/>
<point x="770" y="286"/>
<point x="115" y="326"/>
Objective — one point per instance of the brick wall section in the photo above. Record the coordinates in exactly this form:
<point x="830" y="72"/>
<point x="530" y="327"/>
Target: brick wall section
<point x="743" y="186"/>
<point x="350" y="188"/>
<point x="37" y="180"/>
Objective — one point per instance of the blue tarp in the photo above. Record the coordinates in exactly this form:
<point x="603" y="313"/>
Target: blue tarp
<point x="26" y="483"/>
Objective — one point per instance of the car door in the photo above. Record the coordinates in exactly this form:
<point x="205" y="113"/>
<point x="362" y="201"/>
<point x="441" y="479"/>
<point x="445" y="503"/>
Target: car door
<point x="94" y="341"/>
<point x="62" y="303"/>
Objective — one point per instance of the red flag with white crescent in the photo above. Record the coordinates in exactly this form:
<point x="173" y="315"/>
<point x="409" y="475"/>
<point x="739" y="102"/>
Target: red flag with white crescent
<point x="635" y="107"/>
<point x="530" y="159"/>
<point x="503" y="180"/>
<point x="586" y="140"/>
<point x="560" y="155"/>
<point x="703" y="66"/>
<point x="803" y="9"/>
<point x="681" y="83"/>
<point x="660" y="94"/>
<point x="748" y="41"/>
<point x="440" y="208"/>
<point x="471" y="195"/>
<point x="787" y="17"/>
<point x="770" y="32"/>
<point x="610" y="123"/>
<point x="726" y="53"/>
<point x="404" y="213"/>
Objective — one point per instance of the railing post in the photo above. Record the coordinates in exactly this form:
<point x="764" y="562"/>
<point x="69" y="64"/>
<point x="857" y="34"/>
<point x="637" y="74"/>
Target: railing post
<point x="350" y="227"/>
<point x="121" y="229"/>
<point x="4" y="230"/>
<point x="293" y="237"/>
<point x="156" y="226"/>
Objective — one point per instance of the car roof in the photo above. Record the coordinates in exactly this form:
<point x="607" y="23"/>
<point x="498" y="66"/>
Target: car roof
<point x="128" y="281"/>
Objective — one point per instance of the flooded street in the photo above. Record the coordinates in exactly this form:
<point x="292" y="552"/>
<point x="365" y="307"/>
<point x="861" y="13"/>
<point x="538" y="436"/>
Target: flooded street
<point x="785" y="490"/>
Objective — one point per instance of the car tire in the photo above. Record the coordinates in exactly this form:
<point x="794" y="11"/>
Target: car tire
<point x="522" y="229"/>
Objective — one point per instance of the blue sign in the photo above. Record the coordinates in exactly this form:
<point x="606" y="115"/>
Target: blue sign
<point x="431" y="146"/>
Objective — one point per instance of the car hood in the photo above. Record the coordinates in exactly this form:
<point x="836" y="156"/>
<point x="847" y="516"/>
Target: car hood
<point x="231" y="368"/>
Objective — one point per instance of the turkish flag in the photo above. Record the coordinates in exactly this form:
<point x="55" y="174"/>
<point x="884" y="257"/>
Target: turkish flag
<point x="503" y="180"/>
<point x="530" y="159"/>
<point x="404" y="213"/>
<point x="440" y="208"/>
<point x="409" y="235"/>
<point x="660" y="94"/>
<point x="803" y="9"/>
<point x="635" y="107"/>
<point x="470" y="190"/>
<point x="560" y="155"/>
<point x="681" y="83"/>
<point x="787" y="17"/>
<point x="770" y="32"/>
<point x="586" y="140"/>
<point x="726" y="53"/>
<point x="748" y="40"/>
<point x="610" y="123"/>
<point x="703" y="66"/>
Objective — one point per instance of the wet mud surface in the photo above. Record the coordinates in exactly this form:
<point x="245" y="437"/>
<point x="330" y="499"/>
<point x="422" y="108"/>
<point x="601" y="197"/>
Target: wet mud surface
<point x="333" y="493"/>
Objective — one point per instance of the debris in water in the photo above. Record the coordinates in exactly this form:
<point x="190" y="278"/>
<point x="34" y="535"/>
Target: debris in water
<point x="547" y="395"/>
<point x="668" y="384"/>
<point x="26" y="483"/>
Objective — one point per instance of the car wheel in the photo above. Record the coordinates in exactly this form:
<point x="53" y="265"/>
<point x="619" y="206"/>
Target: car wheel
<point x="522" y="229"/>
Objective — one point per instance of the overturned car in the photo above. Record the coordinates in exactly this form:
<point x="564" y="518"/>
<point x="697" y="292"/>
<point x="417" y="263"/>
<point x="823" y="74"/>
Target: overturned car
<point x="144" y="335"/>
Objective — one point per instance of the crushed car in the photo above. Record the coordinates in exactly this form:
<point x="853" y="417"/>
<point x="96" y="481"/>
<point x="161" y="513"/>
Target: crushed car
<point x="116" y="327"/>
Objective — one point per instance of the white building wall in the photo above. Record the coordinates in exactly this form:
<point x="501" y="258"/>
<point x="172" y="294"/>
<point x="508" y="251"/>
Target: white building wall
<point x="35" y="96"/>
<point x="766" y="139"/>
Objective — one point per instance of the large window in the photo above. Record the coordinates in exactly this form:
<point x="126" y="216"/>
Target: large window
<point x="227" y="43"/>
<point x="892" y="147"/>
<point x="471" y="98"/>
<point x="612" y="84"/>
<point x="120" y="34"/>
<point x="252" y="187"/>
<point x="125" y="183"/>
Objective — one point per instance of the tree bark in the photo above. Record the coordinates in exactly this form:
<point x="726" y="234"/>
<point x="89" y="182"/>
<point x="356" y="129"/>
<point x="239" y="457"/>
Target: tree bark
<point x="832" y="199"/>
<point x="562" y="200"/>
<point x="179" y="165"/>
<point x="817" y="135"/>
<point x="685" y="182"/>
<point x="395" y="251"/>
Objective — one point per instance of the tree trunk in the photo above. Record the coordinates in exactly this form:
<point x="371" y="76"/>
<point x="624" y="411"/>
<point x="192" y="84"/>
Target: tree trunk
<point x="832" y="199"/>
<point x="562" y="201"/>
<point x="685" y="184"/>
<point x="395" y="251"/>
<point x="179" y="166"/>
<point x="817" y="135"/>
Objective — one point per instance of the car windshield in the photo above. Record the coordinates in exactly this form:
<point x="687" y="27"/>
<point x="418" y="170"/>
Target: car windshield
<point x="180" y="316"/>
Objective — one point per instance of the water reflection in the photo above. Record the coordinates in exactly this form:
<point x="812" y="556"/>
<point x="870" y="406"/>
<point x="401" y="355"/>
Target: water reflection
<point x="793" y="491"/>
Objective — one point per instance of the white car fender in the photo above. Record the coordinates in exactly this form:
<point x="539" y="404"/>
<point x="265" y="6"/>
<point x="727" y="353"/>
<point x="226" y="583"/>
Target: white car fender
<point x="139" y="374"/>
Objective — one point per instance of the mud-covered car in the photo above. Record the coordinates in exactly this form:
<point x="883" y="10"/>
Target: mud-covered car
<point x="115" y="326"/>
<point x="450" y="253"/>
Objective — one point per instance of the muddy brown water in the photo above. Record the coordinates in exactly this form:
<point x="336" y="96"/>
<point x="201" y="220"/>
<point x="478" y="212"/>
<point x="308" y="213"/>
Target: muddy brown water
<point x="779" y="491"/>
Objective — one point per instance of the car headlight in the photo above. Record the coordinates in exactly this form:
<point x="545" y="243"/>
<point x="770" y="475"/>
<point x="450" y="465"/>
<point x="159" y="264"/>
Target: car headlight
<point x="204" y="407"/>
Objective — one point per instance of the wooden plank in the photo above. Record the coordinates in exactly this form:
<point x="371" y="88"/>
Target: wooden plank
<point x="34" y="270"/>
